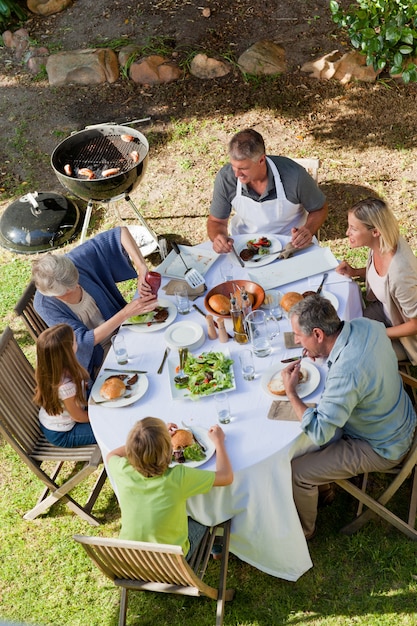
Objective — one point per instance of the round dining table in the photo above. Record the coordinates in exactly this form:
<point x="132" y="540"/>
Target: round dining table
<point x="265" y="528"/>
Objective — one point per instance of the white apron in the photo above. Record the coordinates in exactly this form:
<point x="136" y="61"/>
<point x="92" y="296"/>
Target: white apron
<point x="271" y="216"/>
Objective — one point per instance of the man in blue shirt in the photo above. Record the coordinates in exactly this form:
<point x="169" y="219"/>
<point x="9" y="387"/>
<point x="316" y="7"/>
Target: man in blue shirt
<point x="364" y="421"/>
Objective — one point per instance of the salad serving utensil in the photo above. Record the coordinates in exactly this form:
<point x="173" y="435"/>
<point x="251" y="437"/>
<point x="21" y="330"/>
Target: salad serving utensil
<point x="181" y="378"/>
<point x="191" y="276"/>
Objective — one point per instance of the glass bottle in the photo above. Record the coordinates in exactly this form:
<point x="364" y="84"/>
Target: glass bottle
<point x="237" y="319"/>
<point x="246" y="307"/>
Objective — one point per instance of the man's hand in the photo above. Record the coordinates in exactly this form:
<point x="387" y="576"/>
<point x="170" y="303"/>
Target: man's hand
<point x="222" y="244"/>
<point x="290" y="377"/>
<point x="301" y="237"/>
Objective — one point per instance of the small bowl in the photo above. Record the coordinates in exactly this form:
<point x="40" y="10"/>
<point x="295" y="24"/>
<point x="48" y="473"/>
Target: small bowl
<point x="225" y="289"/>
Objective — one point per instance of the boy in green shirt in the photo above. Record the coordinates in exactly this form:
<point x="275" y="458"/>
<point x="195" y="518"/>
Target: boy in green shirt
<point x="152" y="495"/>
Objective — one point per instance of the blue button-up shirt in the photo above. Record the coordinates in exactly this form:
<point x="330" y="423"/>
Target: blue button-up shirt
<point x="364" y="395"/>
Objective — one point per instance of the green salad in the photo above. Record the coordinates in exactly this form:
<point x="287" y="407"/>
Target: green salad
<point x="208" y="372"/>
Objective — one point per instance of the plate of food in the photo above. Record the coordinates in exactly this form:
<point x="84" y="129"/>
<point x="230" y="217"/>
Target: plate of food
<point x="208" y="373"/>
<point x="115" y="389"/>
<point x="309" y="380"/>
<point x="192" y="448"/>
<point x="257" y="250"/>
<point x="324" y="294"/>
<point x="194" y="257"/>
<point x="158" y="319"/>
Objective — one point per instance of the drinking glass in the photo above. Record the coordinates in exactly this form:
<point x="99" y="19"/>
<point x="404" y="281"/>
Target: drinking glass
<point x="182" y="300"/>
<point x="154" y="281"/>
<point x="226" y="271"/>
<point x="247" y="365"/>
<point x="120" y="350"/>
<point x="222" y="407"/>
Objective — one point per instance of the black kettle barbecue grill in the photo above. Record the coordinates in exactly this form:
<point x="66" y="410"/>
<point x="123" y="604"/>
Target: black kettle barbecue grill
<point x="102" y="163"/>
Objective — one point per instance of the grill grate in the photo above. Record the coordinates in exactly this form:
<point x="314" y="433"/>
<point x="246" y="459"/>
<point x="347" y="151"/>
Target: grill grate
<point x="105" y="153"/>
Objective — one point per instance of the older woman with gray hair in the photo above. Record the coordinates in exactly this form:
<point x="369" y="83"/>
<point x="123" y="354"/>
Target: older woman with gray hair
<point x="80" y="289"/>
<point x="390" y="273"/>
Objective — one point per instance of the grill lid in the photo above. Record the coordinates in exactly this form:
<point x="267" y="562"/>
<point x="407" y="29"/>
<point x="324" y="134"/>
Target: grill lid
<point x="39" y="222"/>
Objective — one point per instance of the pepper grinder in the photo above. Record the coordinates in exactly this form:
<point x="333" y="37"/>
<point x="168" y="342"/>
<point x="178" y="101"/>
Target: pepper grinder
<point x="211" y="330"/>
<point x="223" y="336"/>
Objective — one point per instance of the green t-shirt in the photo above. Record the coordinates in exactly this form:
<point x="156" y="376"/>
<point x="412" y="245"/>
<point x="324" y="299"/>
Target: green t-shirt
<point x="154" y="509"/>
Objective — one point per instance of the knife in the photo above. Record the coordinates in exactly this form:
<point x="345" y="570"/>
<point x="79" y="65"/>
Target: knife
<point x="241" y="262"/>
<point x="122" y="371"/>
<point x="325" y="275"/>
<point x="197" y="308"/>
<point x="202" y="446"/>
<point x="161" y="367"/>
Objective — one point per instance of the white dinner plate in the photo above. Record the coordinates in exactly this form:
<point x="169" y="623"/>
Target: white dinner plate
<point x="303" y="390"/>
<point x="144" y="328"/>
<point x="185" y="335"/>
<point x="137" y="391"/>
<point x="333" y="299"/>
<point x="184" y="394"/>
<point x="202" y="436"/>
<point x="194" y="257"/>
<point x="276" y="246"/>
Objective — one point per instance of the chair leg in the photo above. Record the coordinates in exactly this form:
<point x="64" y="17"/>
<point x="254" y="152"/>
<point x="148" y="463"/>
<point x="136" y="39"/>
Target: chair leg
<point x="413" y="500"/>
<point x="223" y="593"/>
<point x="95" y="492"/>
<point x="123" y="606"/>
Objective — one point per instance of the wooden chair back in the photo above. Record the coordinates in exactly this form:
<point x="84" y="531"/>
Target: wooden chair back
<point x="312" y="166"/>
<point x="377" y="506"/>
<point x="142" y="566"/>
<point x="19" y="425"/>
<point x="25" y="309"/>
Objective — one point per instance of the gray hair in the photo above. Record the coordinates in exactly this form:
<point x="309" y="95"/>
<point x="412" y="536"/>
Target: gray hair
<point x="246" y="144"/>
<point x="54" y="274"/>
<point x="316" y="312"/>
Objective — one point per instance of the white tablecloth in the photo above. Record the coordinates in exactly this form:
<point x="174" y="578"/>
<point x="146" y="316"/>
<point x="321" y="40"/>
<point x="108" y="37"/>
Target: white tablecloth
<point x="266" y="531"/>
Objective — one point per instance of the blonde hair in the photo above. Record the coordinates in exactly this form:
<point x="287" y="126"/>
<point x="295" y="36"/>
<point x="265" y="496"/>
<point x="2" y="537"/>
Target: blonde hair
<point x="374" y="213"/>
<point x="55" y="360"/>
<point x="149" y="447"/>
<point x="54" y="274"/>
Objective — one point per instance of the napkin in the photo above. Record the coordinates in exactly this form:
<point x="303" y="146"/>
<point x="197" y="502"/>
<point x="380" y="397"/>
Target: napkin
<point x="193" y="292"/>
<point x="282" y="410"/>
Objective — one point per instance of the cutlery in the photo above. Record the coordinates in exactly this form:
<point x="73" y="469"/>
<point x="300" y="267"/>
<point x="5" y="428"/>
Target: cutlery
<point x="182" y="378"/>
<point x="122" y="371"/>
<point x="191" y="276"/>
<point x="161" y="367"/>
<point x="241" y="262"/>
<point x="197" y="308"/>
<point x="325" y="275"/>
<point x="265" y="256"/>
<point x="202" y="446"/>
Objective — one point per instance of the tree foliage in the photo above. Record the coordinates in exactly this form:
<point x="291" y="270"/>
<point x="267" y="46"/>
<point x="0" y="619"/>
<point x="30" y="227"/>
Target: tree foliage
<point x="385" y="31"/>
<point x="10" y="10"/>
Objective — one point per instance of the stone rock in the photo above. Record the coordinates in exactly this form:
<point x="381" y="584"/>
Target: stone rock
<point x="83" y="67"/>
<point x="127" y="52"/>
<point x="18" y="41"/>
<point x="264" y="57"/>
<point x="47" y="7"/>
<point x="344" y="68"/>
<point x="154" y="70"/>
<point x="36" y="59"/>
<point x="203" y="66"/>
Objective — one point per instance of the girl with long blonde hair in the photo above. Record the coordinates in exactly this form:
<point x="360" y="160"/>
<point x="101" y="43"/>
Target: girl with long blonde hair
<point x="61" y="389"/>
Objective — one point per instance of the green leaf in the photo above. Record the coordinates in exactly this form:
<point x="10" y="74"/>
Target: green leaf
<point x="393" y="34"/>
<point x="405" y="49"/>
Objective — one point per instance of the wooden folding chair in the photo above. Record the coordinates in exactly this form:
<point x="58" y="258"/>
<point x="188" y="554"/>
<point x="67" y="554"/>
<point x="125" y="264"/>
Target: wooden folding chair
<point x="25" y="309"/>
<point x="378" y="506"/>
<point x="142" y="566"/>
<point x="19" y="425"/>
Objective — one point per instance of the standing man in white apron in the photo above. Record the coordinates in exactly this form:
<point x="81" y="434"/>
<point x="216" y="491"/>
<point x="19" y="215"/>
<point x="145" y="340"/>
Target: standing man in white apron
<point x="269" y="195"/>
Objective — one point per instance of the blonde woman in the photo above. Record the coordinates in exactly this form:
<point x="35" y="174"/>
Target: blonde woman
<point x="390" y="273"/>
<point x="61" y="389"/>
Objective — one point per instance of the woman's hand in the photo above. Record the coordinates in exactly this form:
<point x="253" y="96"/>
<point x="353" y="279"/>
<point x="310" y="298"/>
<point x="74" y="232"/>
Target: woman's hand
<point x="140" y="305"/>
<point x="345" y="269"/>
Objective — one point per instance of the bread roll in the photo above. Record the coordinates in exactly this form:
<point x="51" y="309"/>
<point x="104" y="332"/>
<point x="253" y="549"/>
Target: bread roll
<point x="112" y="388"/>
<point x="181" y="439"/>
<point x="289" y="299"/>
<point x="220" y="304"/>
<point x="276" y="385"/>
